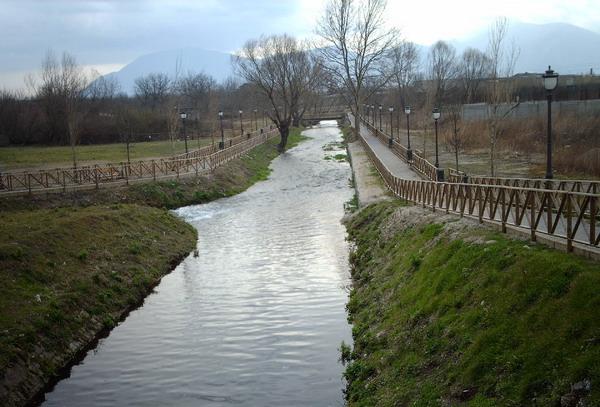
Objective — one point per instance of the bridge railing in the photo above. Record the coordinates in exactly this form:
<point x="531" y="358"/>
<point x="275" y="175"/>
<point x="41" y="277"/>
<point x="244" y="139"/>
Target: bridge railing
<point x="57" y="179"/>
<point x="570" y="216"/>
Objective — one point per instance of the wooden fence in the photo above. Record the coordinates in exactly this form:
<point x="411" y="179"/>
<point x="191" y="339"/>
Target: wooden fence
<point x="194" y="162"/>
<point x="570" y="215"/>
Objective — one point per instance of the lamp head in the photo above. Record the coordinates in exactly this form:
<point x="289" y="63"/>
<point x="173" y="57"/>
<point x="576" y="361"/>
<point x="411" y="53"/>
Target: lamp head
<point x="407" y="109"/>
<point x="550" y="79"/>
<point x="436" y="113"/>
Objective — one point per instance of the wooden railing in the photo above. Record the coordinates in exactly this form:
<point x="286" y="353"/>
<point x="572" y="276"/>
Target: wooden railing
<point x="418" y="162"/>
<point x="570" y="216"/>
<point x="588" y="186"/>
<point x="194" y="162"/>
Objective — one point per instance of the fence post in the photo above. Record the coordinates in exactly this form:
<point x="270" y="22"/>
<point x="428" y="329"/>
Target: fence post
<point x="593" y="214"/>
<point x="569" y="224"/>
<point x="532" y="220"/>
<point x="96" y="175"/>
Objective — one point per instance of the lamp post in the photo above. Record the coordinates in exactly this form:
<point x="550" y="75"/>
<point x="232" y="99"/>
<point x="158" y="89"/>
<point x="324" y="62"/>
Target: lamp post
<point x="241" y="123"/>
<point x="408" y="149"/>
<point x="380" y="109"/>
<point x="550" y="83"/>
<point x="255" y="121"/>
<point x="391" y="141"/>
<point x="183" y="116"/>
<point x="222" y="142"/>
<point x="373" y="115"/>
<point x="439" y="171"/>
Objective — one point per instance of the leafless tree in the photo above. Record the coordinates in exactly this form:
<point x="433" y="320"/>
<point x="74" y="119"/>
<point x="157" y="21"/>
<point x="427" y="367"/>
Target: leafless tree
<point x="404" y="64"/>
<point x="441" y="70"/>
<point x="153" y="89"/>
<point x="102" y="88"/>
<point x="62" y="90"/>
<point x="281" y="68"/>
<point x="355" y="46"/>
<point x="500" y="90"/>
<point x="474" y="69"/>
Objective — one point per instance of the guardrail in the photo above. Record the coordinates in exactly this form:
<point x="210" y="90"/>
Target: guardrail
<point x="61" y="179"/>
<point x="571" y="216"/>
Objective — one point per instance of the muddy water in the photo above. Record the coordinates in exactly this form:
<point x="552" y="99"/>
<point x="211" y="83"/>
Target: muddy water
<point x="257" y="318"/>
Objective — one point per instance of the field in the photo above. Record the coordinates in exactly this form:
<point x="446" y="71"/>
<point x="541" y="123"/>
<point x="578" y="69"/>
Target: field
<point x="18" y="158"/>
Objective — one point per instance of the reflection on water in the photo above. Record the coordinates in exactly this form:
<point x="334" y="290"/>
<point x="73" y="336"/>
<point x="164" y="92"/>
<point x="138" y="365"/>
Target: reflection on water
<point x="256" y="318"/>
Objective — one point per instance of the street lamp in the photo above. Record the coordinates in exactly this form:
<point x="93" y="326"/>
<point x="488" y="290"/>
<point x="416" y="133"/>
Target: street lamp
<point x="222" y="142"/>
<point x="550" y="83"/>
<point x="439" y="171"/>
<point x="373" y="115"/>
<point x="241" y="123"/>
<point x="183" y="116"/>
<point x="380" y="109"/>
<point x="408" y="149"/>
<point x="391" y="110"/>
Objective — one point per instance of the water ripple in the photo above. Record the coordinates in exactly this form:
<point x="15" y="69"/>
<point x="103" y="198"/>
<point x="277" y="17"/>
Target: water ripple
<point x="256" y="318"/>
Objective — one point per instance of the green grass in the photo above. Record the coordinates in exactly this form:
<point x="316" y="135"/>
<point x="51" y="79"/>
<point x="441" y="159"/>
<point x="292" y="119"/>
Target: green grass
<point x="70" y="264"/>
<point x="472" y="318"/>
<point x="12" y="158"/>
<point x="67" y="273"/>
<point x="230" y="179"/>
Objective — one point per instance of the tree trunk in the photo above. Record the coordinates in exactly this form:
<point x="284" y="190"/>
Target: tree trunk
<point x="284" y="132"/>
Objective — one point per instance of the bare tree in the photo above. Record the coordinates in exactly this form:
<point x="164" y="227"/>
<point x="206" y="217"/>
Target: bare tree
<point x="404" y="64"/>
<point x="500" y="90"/>
<point x="102" y="87"/>
<point x="153" y="89"/>
<point x="62" y="90"/>
<point x="473" y="71"/>
<point x="281" y="68"/>
<point x="441" y="70"/>
<point x="355" y="47"/>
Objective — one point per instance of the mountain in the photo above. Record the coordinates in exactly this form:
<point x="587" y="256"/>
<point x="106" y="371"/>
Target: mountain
<point x="217" y="64"/>
<point x="568" y="48"/>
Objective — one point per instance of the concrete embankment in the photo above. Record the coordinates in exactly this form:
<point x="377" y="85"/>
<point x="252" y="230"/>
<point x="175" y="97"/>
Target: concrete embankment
<point x="73" y="265"/>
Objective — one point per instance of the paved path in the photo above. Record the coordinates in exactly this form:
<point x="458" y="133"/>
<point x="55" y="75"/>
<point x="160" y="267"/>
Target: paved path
<point x="367" y="182"/>
<point x="396" y="166"/>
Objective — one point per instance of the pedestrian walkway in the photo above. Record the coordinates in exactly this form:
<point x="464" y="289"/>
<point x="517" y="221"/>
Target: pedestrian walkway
<point x="368" y="184"/>
<point x="396" y="166"/>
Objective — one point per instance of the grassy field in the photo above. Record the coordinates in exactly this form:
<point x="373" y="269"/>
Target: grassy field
<point x="71" y="264"/>
<point x="12" y="158"/>
<point x="455" y="314"/>
<point x="67" y="273"/>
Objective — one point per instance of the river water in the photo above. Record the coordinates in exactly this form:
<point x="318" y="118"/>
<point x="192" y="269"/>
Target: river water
<point x="257" y="318"/>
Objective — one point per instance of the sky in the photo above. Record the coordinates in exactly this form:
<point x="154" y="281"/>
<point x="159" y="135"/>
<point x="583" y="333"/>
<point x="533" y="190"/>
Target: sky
<point x="107" y="34"/>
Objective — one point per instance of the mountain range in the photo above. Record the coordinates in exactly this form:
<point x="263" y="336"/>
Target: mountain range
<point x="568" y="48"/>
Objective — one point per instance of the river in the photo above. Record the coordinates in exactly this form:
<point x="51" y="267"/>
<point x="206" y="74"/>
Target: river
<point x="256" y="319"/>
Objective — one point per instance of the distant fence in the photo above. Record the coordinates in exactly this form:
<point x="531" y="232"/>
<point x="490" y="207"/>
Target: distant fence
<point x="62" y="179"/>
<point x="525" y="110"/>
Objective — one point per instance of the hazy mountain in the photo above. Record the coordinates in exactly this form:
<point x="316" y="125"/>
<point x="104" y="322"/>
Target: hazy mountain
<point x="217" y="64"/>
<point x="568" y="48"/>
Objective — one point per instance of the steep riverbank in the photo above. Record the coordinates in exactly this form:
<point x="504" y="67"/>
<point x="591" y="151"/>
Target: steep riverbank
<point x="72" y="265"/>
<point x="447" y="312"/>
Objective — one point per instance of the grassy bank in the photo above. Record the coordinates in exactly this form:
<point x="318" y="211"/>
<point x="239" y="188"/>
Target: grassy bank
<point x="448" y="313"/>
<point x="71" y="265"/>
<point x="229" y="179"/>
<point x="66" y="274"/>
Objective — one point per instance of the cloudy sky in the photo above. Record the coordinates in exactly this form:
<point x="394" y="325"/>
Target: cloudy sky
<point x="106" y="34"/>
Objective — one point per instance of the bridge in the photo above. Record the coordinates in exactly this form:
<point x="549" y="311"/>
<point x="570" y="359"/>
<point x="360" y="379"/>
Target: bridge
<point x="331" y="113"/>
<point x="561" y="213"/>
